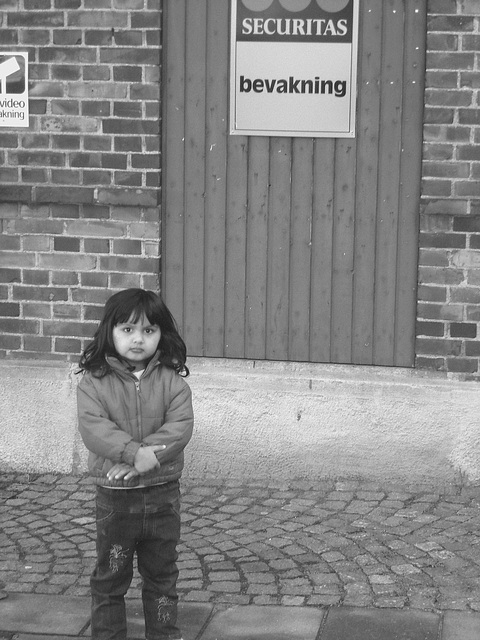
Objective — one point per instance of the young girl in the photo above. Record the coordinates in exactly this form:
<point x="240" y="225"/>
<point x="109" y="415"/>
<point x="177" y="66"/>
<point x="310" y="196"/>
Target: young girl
<point x="135" y="417"/>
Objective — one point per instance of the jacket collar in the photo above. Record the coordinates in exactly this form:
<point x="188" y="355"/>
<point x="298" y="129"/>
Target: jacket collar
<point x="120" y="367"/>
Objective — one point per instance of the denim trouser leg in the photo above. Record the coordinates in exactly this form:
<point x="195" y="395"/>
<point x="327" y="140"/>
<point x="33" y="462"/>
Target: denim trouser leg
<point x="147" y="521"/>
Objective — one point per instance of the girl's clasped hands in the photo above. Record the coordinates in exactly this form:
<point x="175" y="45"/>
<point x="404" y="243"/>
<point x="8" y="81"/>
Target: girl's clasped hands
<point x="145" y="461"/>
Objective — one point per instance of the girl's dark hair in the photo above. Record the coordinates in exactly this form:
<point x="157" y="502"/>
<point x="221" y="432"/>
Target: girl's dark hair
<point x="129" y="306"/>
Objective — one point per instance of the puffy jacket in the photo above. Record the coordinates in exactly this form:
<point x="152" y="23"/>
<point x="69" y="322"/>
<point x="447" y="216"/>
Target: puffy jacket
<point x="118" y="413"/>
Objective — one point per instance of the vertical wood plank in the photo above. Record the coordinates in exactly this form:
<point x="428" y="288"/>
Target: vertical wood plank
<point x="236" y="222"/>
<point x="292" y="249"/>
<point x="256" y="250"/>
<point x="388" y="187"/>
<point x="322" y="250"/>
<point x="278" y="249"/>
<point x="343" y="243"/>
<point x="194" y="144"/>
<point x="410" y="170"/>
<point x="173" y="158"/>
<point x="301" y="249"/>
<point x="215" y="176"/>
<point x="366" y="180"/>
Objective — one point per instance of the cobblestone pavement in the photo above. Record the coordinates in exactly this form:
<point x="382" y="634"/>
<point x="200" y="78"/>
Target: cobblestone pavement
<point x="349" y="543"/>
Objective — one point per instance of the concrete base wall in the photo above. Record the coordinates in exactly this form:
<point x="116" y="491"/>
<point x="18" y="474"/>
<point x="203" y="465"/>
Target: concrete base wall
<point x="267" y="420"/>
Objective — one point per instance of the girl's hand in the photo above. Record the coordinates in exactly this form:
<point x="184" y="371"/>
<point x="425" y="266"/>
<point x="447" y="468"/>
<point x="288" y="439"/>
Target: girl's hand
<point x="122" y="471"/>
<point x="145" y="459"/>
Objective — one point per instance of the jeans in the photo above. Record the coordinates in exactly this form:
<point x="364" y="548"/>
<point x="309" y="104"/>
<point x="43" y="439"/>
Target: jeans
<point x="145" y="521"/>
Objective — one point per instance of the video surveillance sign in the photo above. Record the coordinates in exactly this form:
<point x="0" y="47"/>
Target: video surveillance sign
<point x="293" y="66"/>
<point x="13" y="89"/>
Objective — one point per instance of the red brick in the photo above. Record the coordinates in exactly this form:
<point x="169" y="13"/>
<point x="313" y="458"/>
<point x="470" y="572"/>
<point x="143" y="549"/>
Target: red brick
<point x="93" y="296"/>
<point x="39" y="278"/>
<point x="37" y="310"/>
<point x="10" y="275"/>
<point x="67" y="311"/>
<point x="465" y="295"/>
<point x="96" y="38"/>
<point x="9" y="309"/>
<point x="130" y="247"/>
<point x="451" y="23"/>
<point x="66" y="244"/>
<point x="439" y="347"/>
<point x="96" y="246"/>
<point x="67" y="345"/>
<point x="98" y="19"/>
<point x="96" y="109"/>
<point x="430" y="311"/>
<point x="15" y="325"/>
<point x="129" y="179"/>
<point x="9" y="243"/>
<point x="27" y="226"/>
<point x="472" y="349"/>
<point x="35" y="176"/>
<point x="127" y="74"/>
<point x="470" y="79"/>
<point x="129" y="39"/>
<point x="442" y="41"/>
<point x="10" y="259"/>
<point x="462" y="365"/>
<point x="52" y="294"/>
<point x="94" y="279"/>
<point x="65" y="278"/>
<point x="16" y="193"/>
<point x="97" y="73"/>
<point x="125" y="281"/>
<point x="96" y="211"/>
<point x="131" y="127"/>
<point x="432" y="187"/>
<point x="8" y="140"/>
<point x="430" y="329"/>
<point x="59" y="194"/>
<point x="66" y="142"/>
<point x="128" y="197"/>
<point x="443" y="240"/>
<point x="93" y="313"/>
<point x="146" y="20"/>
<point x="70" y="329"/>
<point x="65" y="107"/>
<point x="66" y="177"/>
<point x="60" y="261"/>
<point x="37" y="343"/>
<point x="10" y="342"/>
<point x="463" y="330"/>
<point x="35" y="19"/>
<point x="87" y="229"/>
<point x="131" y="265"/>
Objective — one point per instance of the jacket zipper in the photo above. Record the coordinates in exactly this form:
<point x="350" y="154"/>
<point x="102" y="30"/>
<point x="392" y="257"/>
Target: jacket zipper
<point x="139" y="410"/>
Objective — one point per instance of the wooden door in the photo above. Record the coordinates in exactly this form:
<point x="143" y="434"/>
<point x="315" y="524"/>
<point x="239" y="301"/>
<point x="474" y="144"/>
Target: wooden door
<point x="296" y="249"/>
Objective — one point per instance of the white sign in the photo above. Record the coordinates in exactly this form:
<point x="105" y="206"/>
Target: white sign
<point x="293" y="67"/>
<point x="13" y="89"/>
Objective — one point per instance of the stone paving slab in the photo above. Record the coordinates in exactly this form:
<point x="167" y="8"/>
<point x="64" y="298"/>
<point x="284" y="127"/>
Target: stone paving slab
<point x="461" y="626"/>
<point x="296" y="545"/>
<point x="30" y="613"/>
<point x="204" y="622"/>
<point x="344" y="623"/>
<point x="265" y="623"/>
<point x="192" y="618"/>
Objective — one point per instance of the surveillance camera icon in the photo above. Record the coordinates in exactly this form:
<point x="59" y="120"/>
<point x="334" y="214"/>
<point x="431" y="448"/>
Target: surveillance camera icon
<point x="7" y="68"/>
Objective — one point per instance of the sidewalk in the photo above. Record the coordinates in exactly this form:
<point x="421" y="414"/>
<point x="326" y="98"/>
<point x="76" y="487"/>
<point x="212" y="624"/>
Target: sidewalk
<point x="335" y="561"/>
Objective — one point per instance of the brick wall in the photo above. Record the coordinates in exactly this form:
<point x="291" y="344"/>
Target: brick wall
<point x="79" y="194"/>
<point x="449" y="272"/>
<point x="79" y="188"/>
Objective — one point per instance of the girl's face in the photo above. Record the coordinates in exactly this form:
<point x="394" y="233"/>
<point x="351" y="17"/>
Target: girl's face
<point x="137" y="342"/>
